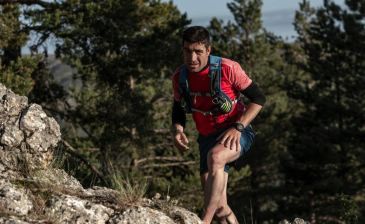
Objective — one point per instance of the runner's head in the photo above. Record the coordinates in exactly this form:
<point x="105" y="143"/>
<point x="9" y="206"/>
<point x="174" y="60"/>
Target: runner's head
<point x="196" y="48"/>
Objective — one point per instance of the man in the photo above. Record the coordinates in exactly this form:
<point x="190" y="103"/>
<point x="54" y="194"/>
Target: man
<point x="223" y="122"/>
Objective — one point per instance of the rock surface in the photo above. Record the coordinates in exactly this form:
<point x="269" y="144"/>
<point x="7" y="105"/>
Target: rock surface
<point x="32" y="191"/>
<point x="295" y="221"/>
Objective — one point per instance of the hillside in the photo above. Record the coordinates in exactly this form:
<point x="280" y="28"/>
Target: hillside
<point x="34" y="190"/>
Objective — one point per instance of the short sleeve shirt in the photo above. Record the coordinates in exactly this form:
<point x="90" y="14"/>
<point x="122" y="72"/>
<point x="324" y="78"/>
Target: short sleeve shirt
<point x="233" y="80"/>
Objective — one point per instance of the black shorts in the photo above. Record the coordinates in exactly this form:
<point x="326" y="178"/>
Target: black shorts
<point x="206" y="143"/>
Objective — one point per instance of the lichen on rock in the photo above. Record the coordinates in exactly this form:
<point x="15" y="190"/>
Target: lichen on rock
<point x="32" y="191"/>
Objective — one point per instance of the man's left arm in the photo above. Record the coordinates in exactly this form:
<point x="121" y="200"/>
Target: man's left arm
<point x="231" y="138"/>
<point x="257" y="101"/>
<point x="242" y="82"/>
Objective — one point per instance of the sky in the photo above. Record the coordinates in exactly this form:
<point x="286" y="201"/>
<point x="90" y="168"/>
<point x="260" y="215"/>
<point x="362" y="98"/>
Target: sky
<point x="277" y="15"/>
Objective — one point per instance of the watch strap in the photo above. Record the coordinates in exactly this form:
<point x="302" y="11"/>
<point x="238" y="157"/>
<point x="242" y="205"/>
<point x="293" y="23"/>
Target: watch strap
<point x="239" y="126"/>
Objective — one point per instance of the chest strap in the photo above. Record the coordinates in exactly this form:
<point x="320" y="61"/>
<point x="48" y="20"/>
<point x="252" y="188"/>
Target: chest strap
<point x="199" y="94"/>
<point x="210" y="112"/>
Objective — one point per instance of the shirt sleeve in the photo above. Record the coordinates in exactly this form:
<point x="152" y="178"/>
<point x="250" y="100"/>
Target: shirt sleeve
<point x="238" y="77"/>
<point x="175" y="86"/>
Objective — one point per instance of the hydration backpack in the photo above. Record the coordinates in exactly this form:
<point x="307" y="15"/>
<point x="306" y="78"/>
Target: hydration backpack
<point x="223" y="104"/>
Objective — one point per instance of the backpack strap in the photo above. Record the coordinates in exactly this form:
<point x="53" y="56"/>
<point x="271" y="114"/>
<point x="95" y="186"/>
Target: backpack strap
<point x="215" y="74"/>
<point x="215" y="85"/>
<point x="220" y="99"/>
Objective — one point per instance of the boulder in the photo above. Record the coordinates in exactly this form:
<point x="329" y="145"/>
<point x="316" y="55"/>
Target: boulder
<point x="33" y="191"/>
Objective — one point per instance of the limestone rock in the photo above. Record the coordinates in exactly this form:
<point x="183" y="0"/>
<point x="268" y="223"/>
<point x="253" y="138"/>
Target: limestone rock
<point x="32" y="191"/>
<point x="70" y="209"/>
<point x="299" y="221"/>
<point x="141" y="215"/>
<point x="57" y="178"/>
<point x="11" y="220"/>
<point x="10" y="105"/>
<point x="296" y="221"/>
<point x="178" y="213"/>
<point x="27" y="135"/>
<point x="42" y="131"/>
<point x="14" y="200"/>
<point x="12" y="136"/>
<point x="8" y="163"/>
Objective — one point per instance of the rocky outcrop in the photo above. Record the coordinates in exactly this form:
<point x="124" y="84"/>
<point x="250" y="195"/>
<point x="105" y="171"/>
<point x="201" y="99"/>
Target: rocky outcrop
<point x="33" y="191"/>
<point x="295" y="221"/>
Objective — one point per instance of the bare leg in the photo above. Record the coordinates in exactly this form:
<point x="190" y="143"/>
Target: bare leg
<point x="224" y="214"/>
<point x="215" y="199"/>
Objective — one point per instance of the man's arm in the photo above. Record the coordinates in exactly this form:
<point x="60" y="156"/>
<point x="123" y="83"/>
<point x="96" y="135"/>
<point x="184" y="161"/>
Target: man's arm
<point x="231" y="138"/>
<point x="252" y="110"/>
<point x="178" y="116"/>
<point x="257" y="101"/>
<point x="178" y="125"/>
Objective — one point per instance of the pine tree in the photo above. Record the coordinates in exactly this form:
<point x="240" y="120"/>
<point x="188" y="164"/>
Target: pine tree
<point x="25" y="74"/>
<point x="15" y="72"/>
<point x="324" y="171"/>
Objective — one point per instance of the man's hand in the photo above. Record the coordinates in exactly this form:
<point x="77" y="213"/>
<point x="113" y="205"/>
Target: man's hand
<point x="181" y="141"/>
<point x="230" y="139"/>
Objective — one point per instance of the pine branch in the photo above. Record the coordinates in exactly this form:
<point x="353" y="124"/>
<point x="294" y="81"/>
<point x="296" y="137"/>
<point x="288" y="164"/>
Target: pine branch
<point x="176" y="161"/>
<point x="168" y="164"/>
<point x="166" y="158"/>
<point x="72" y="151"/>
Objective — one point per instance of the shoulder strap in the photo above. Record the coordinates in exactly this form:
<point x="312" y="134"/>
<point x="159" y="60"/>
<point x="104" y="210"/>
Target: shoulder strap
<point x="215" y="74"/>
<point x="215" y="81"/>
<point x="184" y="88"/>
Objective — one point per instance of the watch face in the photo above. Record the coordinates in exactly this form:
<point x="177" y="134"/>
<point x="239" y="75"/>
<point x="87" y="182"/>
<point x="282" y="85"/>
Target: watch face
<point x="240" y="127"/>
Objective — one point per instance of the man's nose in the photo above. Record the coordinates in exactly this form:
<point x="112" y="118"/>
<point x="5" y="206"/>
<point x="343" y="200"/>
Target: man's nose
<point x="193" y="56"/>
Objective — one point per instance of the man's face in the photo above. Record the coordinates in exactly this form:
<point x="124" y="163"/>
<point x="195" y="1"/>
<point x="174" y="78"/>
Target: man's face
<point x="196" y="56"/>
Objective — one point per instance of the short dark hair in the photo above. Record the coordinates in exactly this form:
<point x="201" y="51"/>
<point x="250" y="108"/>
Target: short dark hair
<point x="195" y="34"/>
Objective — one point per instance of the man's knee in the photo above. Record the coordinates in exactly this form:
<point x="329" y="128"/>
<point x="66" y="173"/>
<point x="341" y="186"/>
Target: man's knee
<point x="215" y="160"/>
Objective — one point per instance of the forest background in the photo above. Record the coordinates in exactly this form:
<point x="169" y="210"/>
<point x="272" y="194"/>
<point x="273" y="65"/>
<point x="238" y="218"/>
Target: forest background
<point x="114" y="104"/>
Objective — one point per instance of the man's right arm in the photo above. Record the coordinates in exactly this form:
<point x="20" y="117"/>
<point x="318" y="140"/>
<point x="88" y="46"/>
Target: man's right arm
<point x="178" y="124"/>
<point x="178" y="115"/>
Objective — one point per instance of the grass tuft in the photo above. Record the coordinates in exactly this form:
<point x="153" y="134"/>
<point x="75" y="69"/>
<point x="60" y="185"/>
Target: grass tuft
<point x="130" y="192"/>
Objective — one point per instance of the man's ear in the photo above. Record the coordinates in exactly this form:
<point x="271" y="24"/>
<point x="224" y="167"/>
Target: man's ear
<point x="209" y="49"/>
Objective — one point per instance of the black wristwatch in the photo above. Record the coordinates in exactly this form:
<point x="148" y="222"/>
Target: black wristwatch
<point x="238" y="126"/>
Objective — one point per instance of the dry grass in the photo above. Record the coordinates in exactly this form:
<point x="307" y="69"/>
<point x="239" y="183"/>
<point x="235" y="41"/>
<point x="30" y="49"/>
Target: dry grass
<point x="130" y="192"/>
